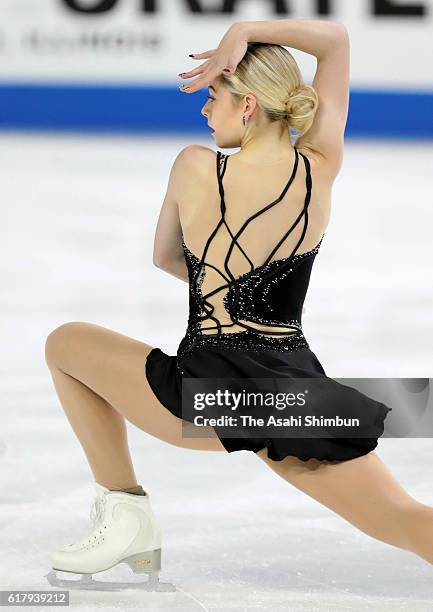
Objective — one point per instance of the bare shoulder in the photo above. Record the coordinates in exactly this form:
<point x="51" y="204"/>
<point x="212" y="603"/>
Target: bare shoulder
<point x="195" y="161"/>
<point x="191" y="173"/>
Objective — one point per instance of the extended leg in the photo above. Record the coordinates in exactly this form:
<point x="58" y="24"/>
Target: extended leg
<point x="364" y="492"/>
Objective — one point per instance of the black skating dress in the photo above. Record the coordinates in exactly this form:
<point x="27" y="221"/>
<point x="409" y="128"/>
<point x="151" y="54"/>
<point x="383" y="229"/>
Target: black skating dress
<point x="258" y="302"/>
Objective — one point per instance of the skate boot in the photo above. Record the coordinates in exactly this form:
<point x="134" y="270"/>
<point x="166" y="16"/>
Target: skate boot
<point x="124" y="530"/>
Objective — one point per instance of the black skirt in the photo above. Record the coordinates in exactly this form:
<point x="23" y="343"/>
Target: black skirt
<point x="165" y="379"/>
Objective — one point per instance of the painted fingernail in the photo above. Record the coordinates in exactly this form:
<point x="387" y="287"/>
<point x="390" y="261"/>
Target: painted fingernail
<point x="191" y="55"/>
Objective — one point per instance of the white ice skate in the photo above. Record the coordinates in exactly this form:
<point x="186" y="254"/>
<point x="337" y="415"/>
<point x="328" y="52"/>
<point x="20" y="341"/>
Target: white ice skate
<point x="124" y="530"/>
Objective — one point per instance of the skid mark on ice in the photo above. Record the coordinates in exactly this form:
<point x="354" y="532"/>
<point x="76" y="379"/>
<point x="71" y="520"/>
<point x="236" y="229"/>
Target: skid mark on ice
<point x="193" y="598"/>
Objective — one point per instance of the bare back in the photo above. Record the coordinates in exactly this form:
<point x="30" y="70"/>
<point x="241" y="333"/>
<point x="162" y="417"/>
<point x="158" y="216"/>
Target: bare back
<point x="241" y="218"/>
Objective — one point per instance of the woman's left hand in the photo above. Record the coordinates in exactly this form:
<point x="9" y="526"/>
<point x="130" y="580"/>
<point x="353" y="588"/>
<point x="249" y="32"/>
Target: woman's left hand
<point x="222" y="60"/>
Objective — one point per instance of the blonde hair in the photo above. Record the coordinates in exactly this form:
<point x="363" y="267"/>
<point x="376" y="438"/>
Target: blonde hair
<point x="271" y="73"/>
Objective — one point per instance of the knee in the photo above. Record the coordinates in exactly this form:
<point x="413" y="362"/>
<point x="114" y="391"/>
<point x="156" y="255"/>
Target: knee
<point x="57" y="340"/>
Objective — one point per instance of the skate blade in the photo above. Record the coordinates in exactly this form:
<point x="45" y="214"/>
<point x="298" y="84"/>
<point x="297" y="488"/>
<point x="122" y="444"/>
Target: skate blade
<point x="86" y="582"/>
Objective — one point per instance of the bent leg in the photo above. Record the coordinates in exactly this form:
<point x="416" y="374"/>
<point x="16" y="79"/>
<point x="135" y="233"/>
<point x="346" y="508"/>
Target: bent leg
<point x="99" y="376"/>
<point x="364" y="492"/>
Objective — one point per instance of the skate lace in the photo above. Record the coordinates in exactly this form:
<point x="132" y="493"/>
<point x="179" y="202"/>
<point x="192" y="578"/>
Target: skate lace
<point x="97" y="510"/>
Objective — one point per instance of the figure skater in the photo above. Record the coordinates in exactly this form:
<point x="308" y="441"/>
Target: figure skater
<point x="243" y="230"/>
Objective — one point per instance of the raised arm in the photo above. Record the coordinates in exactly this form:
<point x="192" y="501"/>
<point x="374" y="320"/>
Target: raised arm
<point x="328" y="41"/>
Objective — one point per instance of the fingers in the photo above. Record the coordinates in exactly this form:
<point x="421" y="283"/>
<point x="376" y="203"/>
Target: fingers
<point x="203" y="55"/>
<point x="193" y="86"/>
<point x="191" y="73"/>
<point x="197" y="84"/>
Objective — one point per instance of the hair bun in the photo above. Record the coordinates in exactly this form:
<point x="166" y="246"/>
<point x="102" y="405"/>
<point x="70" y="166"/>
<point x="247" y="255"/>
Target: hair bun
<point x="301" y="107"/>
<point x="291" y="100"/>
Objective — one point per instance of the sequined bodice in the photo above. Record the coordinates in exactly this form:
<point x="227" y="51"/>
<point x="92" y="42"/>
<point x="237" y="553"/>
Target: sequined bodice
<point x="265" y="302"/>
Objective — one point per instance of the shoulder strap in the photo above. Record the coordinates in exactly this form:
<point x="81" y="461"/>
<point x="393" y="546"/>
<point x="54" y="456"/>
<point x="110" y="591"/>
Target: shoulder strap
<point x="221" y="161"/>
<point x="221" y="170"/>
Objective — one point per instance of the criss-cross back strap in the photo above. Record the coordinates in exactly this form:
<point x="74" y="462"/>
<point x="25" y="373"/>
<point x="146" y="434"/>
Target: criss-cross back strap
<point x="221" y="166"/>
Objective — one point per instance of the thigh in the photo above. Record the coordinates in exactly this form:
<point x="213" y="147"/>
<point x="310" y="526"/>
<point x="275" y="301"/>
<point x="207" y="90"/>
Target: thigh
<point x="361" y="490"/>
<point x="113" y="366"/>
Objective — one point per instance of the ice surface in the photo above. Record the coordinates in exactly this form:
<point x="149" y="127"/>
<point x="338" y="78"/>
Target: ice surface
<point x="79" y="215"/>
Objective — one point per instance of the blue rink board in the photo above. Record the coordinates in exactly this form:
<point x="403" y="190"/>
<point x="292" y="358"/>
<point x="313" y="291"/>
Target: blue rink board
<point x="78" y="107"/>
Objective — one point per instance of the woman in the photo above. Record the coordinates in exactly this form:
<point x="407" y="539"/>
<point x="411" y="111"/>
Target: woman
<point x="248" y="265"/>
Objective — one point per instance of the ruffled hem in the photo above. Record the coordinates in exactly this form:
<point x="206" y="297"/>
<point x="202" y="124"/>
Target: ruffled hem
<point x="330" y="456"/>
<point x="322" y="449"/>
